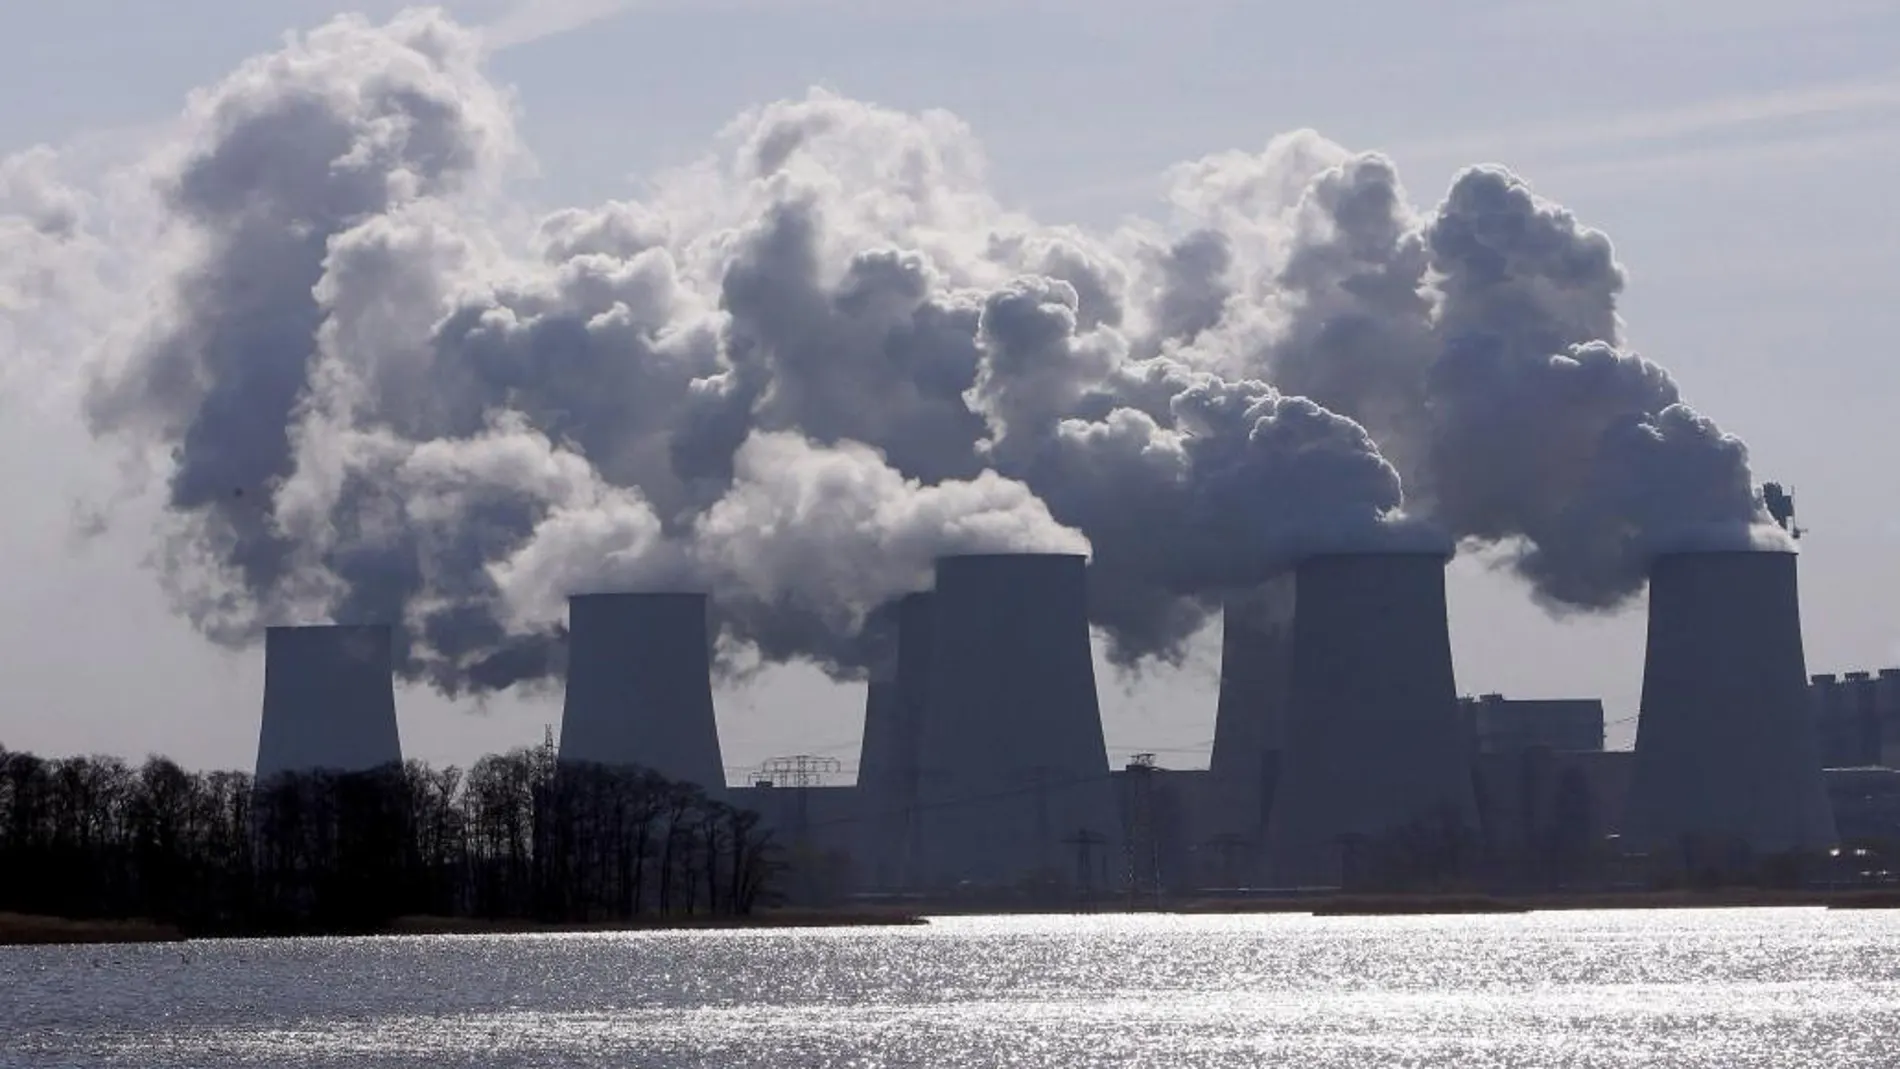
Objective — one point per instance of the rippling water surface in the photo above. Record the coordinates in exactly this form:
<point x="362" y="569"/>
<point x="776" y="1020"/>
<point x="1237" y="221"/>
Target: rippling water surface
<point x="1665" y="988"/>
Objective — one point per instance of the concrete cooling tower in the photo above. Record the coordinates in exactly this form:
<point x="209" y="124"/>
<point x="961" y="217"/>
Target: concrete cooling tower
<point x="1250" y="717"/>
<point x="1013" y="770"/>
<point x="881" y="806"/>
<point x="887" y="762"/>
<point x="329" y="700"/>
<point x="1725" y="753"/>
<point x="639" y="686"/>
<point x="1373" y="745"/>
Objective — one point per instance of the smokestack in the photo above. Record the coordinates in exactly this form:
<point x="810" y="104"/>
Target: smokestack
<point x="329" y="700"/>
<point x="1013" y="769"/>
<point x="1373" y="742"/>
<point x="887" y="762"/>
<point x="1250" y="716"/>
<point x="639" y="686"/>
<point x="1724" y="750"/>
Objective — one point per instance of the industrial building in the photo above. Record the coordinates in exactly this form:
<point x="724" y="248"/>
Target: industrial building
<point x="329" y="700"/>
<point x="639" y="686"/>
<point x="1499" y="725"/>
<point x="1866" y="803"/>
<point x="1373" y="746"/>
<point x="1548" y="816"/>
<point x="1339" y="740"/>
<point x="882" y="791"/>
<point x="1250" y="721"/>
<point x="1011" y="758"/>
<point x="888" y="755"/>
<point x="1857" y="718"/>
<point x="1726" y="754"/>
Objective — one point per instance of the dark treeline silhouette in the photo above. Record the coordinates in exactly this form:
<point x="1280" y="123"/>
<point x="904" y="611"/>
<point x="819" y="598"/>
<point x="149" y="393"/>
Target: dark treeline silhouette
<point x="515" y="837"/>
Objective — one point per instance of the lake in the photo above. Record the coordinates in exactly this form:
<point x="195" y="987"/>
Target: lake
<point x="1727" y="988"/>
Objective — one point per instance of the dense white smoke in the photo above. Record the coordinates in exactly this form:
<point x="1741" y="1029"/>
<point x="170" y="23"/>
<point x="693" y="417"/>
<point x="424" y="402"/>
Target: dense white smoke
<point x="800" y="370"/>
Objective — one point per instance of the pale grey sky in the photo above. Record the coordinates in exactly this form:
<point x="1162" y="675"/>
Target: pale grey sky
<point x="1741" y="155"/>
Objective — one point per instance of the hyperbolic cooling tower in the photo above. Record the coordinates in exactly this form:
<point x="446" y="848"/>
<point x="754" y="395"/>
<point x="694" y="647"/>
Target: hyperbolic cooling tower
<point x="1373" y="744"/>
<point x="329" y="700"/>
<point x="1725" y="752"/>
<point x="1013" y="771"/>
<point x="887" y="762"/>
<point x="1250" y="717"/>
<point x="639" y="686"/>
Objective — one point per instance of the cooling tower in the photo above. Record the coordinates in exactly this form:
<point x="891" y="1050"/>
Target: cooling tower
<point x="1013" y="772"/>
<point x="639" y="686"/>
<point x="880" y="792"/>
<point x="1375" y="758"/>
<point x="1725" y="754"/>
<point x="329" y="700"/>
<point x="887" y="763"/>
<point x="1250" y="716"/>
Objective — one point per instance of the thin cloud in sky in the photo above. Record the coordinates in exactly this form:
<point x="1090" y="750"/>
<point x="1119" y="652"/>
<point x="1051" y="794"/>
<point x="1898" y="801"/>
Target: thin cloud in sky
<point x="535" y="20"/>
<point x="1709" y="117"/>
<point x="1826" y="148"/>
<point x="1695" y="18"/>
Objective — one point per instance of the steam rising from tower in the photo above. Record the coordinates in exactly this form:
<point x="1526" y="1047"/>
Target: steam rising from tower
<point x="1725" y="752"/>
<point x="1012" y="759"/>
<point x="1373" y="745"/>
<point x="329" y="701"/>
<point x="639" y="686"/>
<point x="804" y="368"/>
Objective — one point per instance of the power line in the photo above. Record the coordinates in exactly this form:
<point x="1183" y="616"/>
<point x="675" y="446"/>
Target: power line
<point x="965" y="800"/>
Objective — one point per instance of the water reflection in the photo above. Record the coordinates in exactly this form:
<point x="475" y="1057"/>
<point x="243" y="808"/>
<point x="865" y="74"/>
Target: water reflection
<point x="1716" y="988"/>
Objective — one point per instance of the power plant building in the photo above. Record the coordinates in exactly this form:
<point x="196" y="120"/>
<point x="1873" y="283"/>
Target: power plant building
<point x="1373" y="742"/>
<point x="1250" y="720"/>
<point x="1857" y="718"/>
<point x="1012" y="763"/>
<point x="1726" y="754"/>
<point x="1339" y="735"/>
<point x="1506" y="725"/>
<point x="639" y="686"/>
<point x="329" y="700"/>
<point x="888" y="755"/>
<point x="1251" y="711"/>
<point x="880" y="792"/>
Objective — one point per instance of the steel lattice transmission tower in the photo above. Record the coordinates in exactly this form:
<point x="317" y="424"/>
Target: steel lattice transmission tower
<point x="799" y="772"/>
<point x="1085" y="843"/>
<point x="1143" y="852"/>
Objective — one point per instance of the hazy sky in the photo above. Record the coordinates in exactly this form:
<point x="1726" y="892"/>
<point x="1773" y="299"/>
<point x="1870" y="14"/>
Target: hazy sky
<point x="1741" y="154"/>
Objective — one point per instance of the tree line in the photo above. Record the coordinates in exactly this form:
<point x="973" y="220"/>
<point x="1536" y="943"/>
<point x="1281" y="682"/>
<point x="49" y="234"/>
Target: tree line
<point x="517" y="836"/>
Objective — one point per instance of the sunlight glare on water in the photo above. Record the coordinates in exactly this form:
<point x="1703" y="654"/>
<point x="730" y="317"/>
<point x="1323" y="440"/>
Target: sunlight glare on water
<point x="1728" y="988"/>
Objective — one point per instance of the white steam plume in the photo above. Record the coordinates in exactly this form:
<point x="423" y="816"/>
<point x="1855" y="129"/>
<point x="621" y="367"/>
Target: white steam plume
<point x="804" y="367"/>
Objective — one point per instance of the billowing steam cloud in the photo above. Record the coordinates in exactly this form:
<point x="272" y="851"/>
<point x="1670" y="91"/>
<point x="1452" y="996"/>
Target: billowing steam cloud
<point x="799" y="371"/>
<point x="1481" y="347"/>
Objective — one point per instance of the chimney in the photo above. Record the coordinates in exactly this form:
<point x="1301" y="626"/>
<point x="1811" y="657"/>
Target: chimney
<point x="639" y="686"/>
<point x="1374" y="737"/>
<point x="1250" y="715"/>
<point x="887" y="762"/>
<point x="1013" y="771"/>
<point x="1725" y="752"/>
<point x="329" y="700"/>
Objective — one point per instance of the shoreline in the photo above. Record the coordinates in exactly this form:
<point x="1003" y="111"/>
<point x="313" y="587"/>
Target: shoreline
<point x="1454" y="904"/>
<point x="28" y="930"/>
<point x="33" y="930"/>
